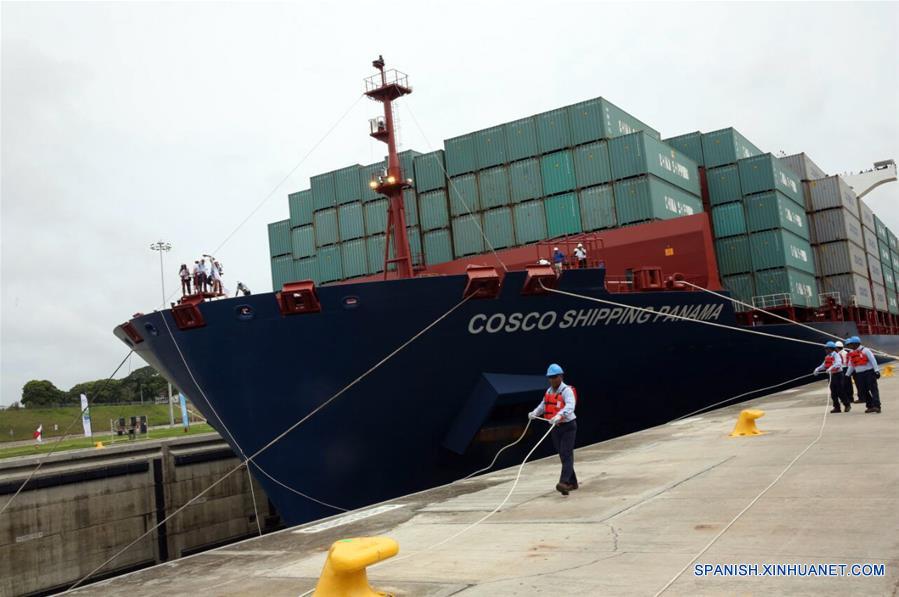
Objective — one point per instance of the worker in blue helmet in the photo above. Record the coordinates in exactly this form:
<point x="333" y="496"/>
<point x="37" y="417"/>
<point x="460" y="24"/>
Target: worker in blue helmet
<point x="863" y="365"/>
<point x="557" y="407"/>
<point x="848" y="388"/>
<point x="833" y="366"/>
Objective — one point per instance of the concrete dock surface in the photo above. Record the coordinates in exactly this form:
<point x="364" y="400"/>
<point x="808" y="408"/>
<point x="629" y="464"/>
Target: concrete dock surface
<point x="648" y="503"/>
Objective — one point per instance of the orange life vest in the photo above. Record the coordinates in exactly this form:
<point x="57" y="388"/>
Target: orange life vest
<point x="554" y="403"/>
<point x="858" y="358"/>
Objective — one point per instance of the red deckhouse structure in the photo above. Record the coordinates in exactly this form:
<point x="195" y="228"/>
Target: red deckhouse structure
<point x="385" y="87"/>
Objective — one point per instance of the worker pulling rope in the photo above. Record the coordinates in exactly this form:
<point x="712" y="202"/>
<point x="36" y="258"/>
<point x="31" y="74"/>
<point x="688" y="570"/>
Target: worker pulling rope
<point x="271" y="443"/>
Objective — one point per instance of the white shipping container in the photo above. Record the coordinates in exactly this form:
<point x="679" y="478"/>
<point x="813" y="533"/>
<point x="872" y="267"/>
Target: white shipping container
<point x="841" y="257"/>
<point x="871" y="242"/>
<point x="803" y="166"/>
<point x="852" y="289"/>
<point x="880" y="297"/>
<point x="829" y="193"/>
<point x="866" y="215"/>
<point x="833" y="225"/>
<point x="875" y="270"/>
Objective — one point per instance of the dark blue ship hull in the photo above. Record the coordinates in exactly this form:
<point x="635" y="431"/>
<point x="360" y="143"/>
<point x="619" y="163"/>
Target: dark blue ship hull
<point x="440" y="408"/>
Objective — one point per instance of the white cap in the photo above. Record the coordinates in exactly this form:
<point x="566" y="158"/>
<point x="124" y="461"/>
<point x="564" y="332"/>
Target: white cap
<point x="839" y="344"/>
<point x="555" y="248"/>
<point x="580" y="244"/>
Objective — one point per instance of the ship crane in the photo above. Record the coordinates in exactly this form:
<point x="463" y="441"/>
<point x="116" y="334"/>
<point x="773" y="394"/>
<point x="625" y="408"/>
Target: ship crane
<point x="385" y="87"/>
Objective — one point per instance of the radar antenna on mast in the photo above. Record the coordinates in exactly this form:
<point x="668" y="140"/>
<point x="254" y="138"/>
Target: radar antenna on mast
<point x="385" y="87"/>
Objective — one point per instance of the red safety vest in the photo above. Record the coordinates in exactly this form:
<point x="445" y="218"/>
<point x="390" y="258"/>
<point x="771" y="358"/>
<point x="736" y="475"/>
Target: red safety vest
<point x="857" y="358"/>
<point x="554" y="403"/>
<point x="828" y="361"/>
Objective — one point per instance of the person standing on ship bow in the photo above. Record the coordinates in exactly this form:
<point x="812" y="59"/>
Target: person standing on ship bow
<point x="581" y="254"/>
<point x="557" y="407"/>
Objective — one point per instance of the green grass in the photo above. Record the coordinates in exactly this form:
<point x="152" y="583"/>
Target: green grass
<point x="76" y="443"/>
<point x="23" y="421"/>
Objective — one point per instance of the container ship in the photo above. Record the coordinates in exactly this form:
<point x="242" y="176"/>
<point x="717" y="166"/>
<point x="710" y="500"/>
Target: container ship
<point x="452" y="249"/>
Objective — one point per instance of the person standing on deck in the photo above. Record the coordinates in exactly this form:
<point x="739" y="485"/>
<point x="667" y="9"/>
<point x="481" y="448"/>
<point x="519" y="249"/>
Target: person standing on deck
<point x="558" y="260"/>
<point x="863" y="364"/>
<point x="580" y="254"/>
<point x="185" y="279"/>
<point x="557" y="407"/>
<point x="833" y="365"/>
<point x="201" y="277"/>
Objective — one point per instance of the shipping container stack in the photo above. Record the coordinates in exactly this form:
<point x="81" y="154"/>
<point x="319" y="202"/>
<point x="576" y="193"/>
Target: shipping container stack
<point x="584" y="167"/>
<point x="758" y="220"/>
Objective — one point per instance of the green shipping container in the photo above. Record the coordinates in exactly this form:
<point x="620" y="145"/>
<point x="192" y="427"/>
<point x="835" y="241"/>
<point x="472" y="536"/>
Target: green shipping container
<point x="302" y="242"/>
<point x="525" y="181"/>
<point x="552" y="130"/>
<point x="889" y="279"/>
<point x="374" y="249"/>
<point x="521" y="139"/>
<point x="306" y="269"/>
<point x="493" y="187"/>
<point x="779" y="248"/>
<point x="649" y="198"/>
<point x="348" y="184"/>
<point x="892" y="303"/>
<point x="689" y="144"/>
<point x="770" y="210"/>
<point x="414" y="234"/>
<point x="499" y="228"/>
<point x="892" y="241"/>
<point x="282" y="271"/>
<point x="599" y="118"/>
<point x="438" y="247"/>
<point x="376" y="217"/>
<point x="330" y="264"/>
<point x="429" y="171"/>
<point x="407" y="162"/>
<point x="467" y="236"/>
<point x="728" y="220"/>
<point x="355" y="259"/>
<point x="597" y="208"/>
<point x="410" y="206"/>
<point x="885" y="257"/>
<point x="530" y="222"/>
<point x="591" y="164"/>
<point x="726" y="146"/>
<point x="432" y="210"/>
<point x="741" y="287"/>
<point x="326" y="231"/>
<point x="368" y="174"/>
<point x="351" y="223"/>
<point x="894" y="259"/>
<point x="300" y="208"/>
<point x="459" y="153"/>
<point x="279" y="238"/>
<point x="766" y="173"/>
<point x="638" y="153"/>
<point x="881" y="230"/>
<point x="324" y="193"/>
<point x="801" y="287"/>
<point x="490" y="147"/>
<point x="463" y="195"/>
<point x="557" y="170"/>
<point x="733" y="255"/>
<point x="724" y="184"/>
<point x="563" y="215"/>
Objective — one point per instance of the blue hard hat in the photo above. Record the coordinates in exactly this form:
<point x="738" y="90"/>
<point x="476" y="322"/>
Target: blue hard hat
<point x="830" y="344"/>
<point x="554" y="370"/>
<point x="853" y="340"/>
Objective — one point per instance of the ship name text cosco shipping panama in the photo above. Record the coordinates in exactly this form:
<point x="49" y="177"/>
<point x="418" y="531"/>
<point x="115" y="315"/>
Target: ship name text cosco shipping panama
<point x="575" y="318"/>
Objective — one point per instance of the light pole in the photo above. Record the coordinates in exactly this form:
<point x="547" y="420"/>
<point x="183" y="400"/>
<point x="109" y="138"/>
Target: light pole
<point x="164" y="247"/>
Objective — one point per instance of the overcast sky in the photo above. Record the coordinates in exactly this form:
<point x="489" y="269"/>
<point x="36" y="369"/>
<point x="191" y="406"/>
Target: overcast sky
<point x="127" y="123"/>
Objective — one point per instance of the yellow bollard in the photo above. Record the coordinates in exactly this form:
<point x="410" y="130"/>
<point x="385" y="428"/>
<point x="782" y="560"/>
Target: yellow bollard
<point x="344" y="572"/>
<point x="887" y="371"/>
<point x="746" y="423"/>
<point x="98" y="445"/>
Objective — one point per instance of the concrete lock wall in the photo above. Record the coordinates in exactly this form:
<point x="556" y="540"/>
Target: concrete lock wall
<point x="82" y="507"/>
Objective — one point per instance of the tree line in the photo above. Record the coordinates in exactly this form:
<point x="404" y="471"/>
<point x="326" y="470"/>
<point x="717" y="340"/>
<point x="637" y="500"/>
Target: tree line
<point x="141" y="384"/>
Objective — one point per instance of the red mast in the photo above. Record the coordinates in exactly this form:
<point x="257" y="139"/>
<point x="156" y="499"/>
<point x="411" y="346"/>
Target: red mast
<point x="386" y="87"/>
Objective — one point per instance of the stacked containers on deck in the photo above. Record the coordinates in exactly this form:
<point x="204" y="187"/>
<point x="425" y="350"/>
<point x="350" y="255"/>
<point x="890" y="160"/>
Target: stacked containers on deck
<point x="759" y="221"/>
